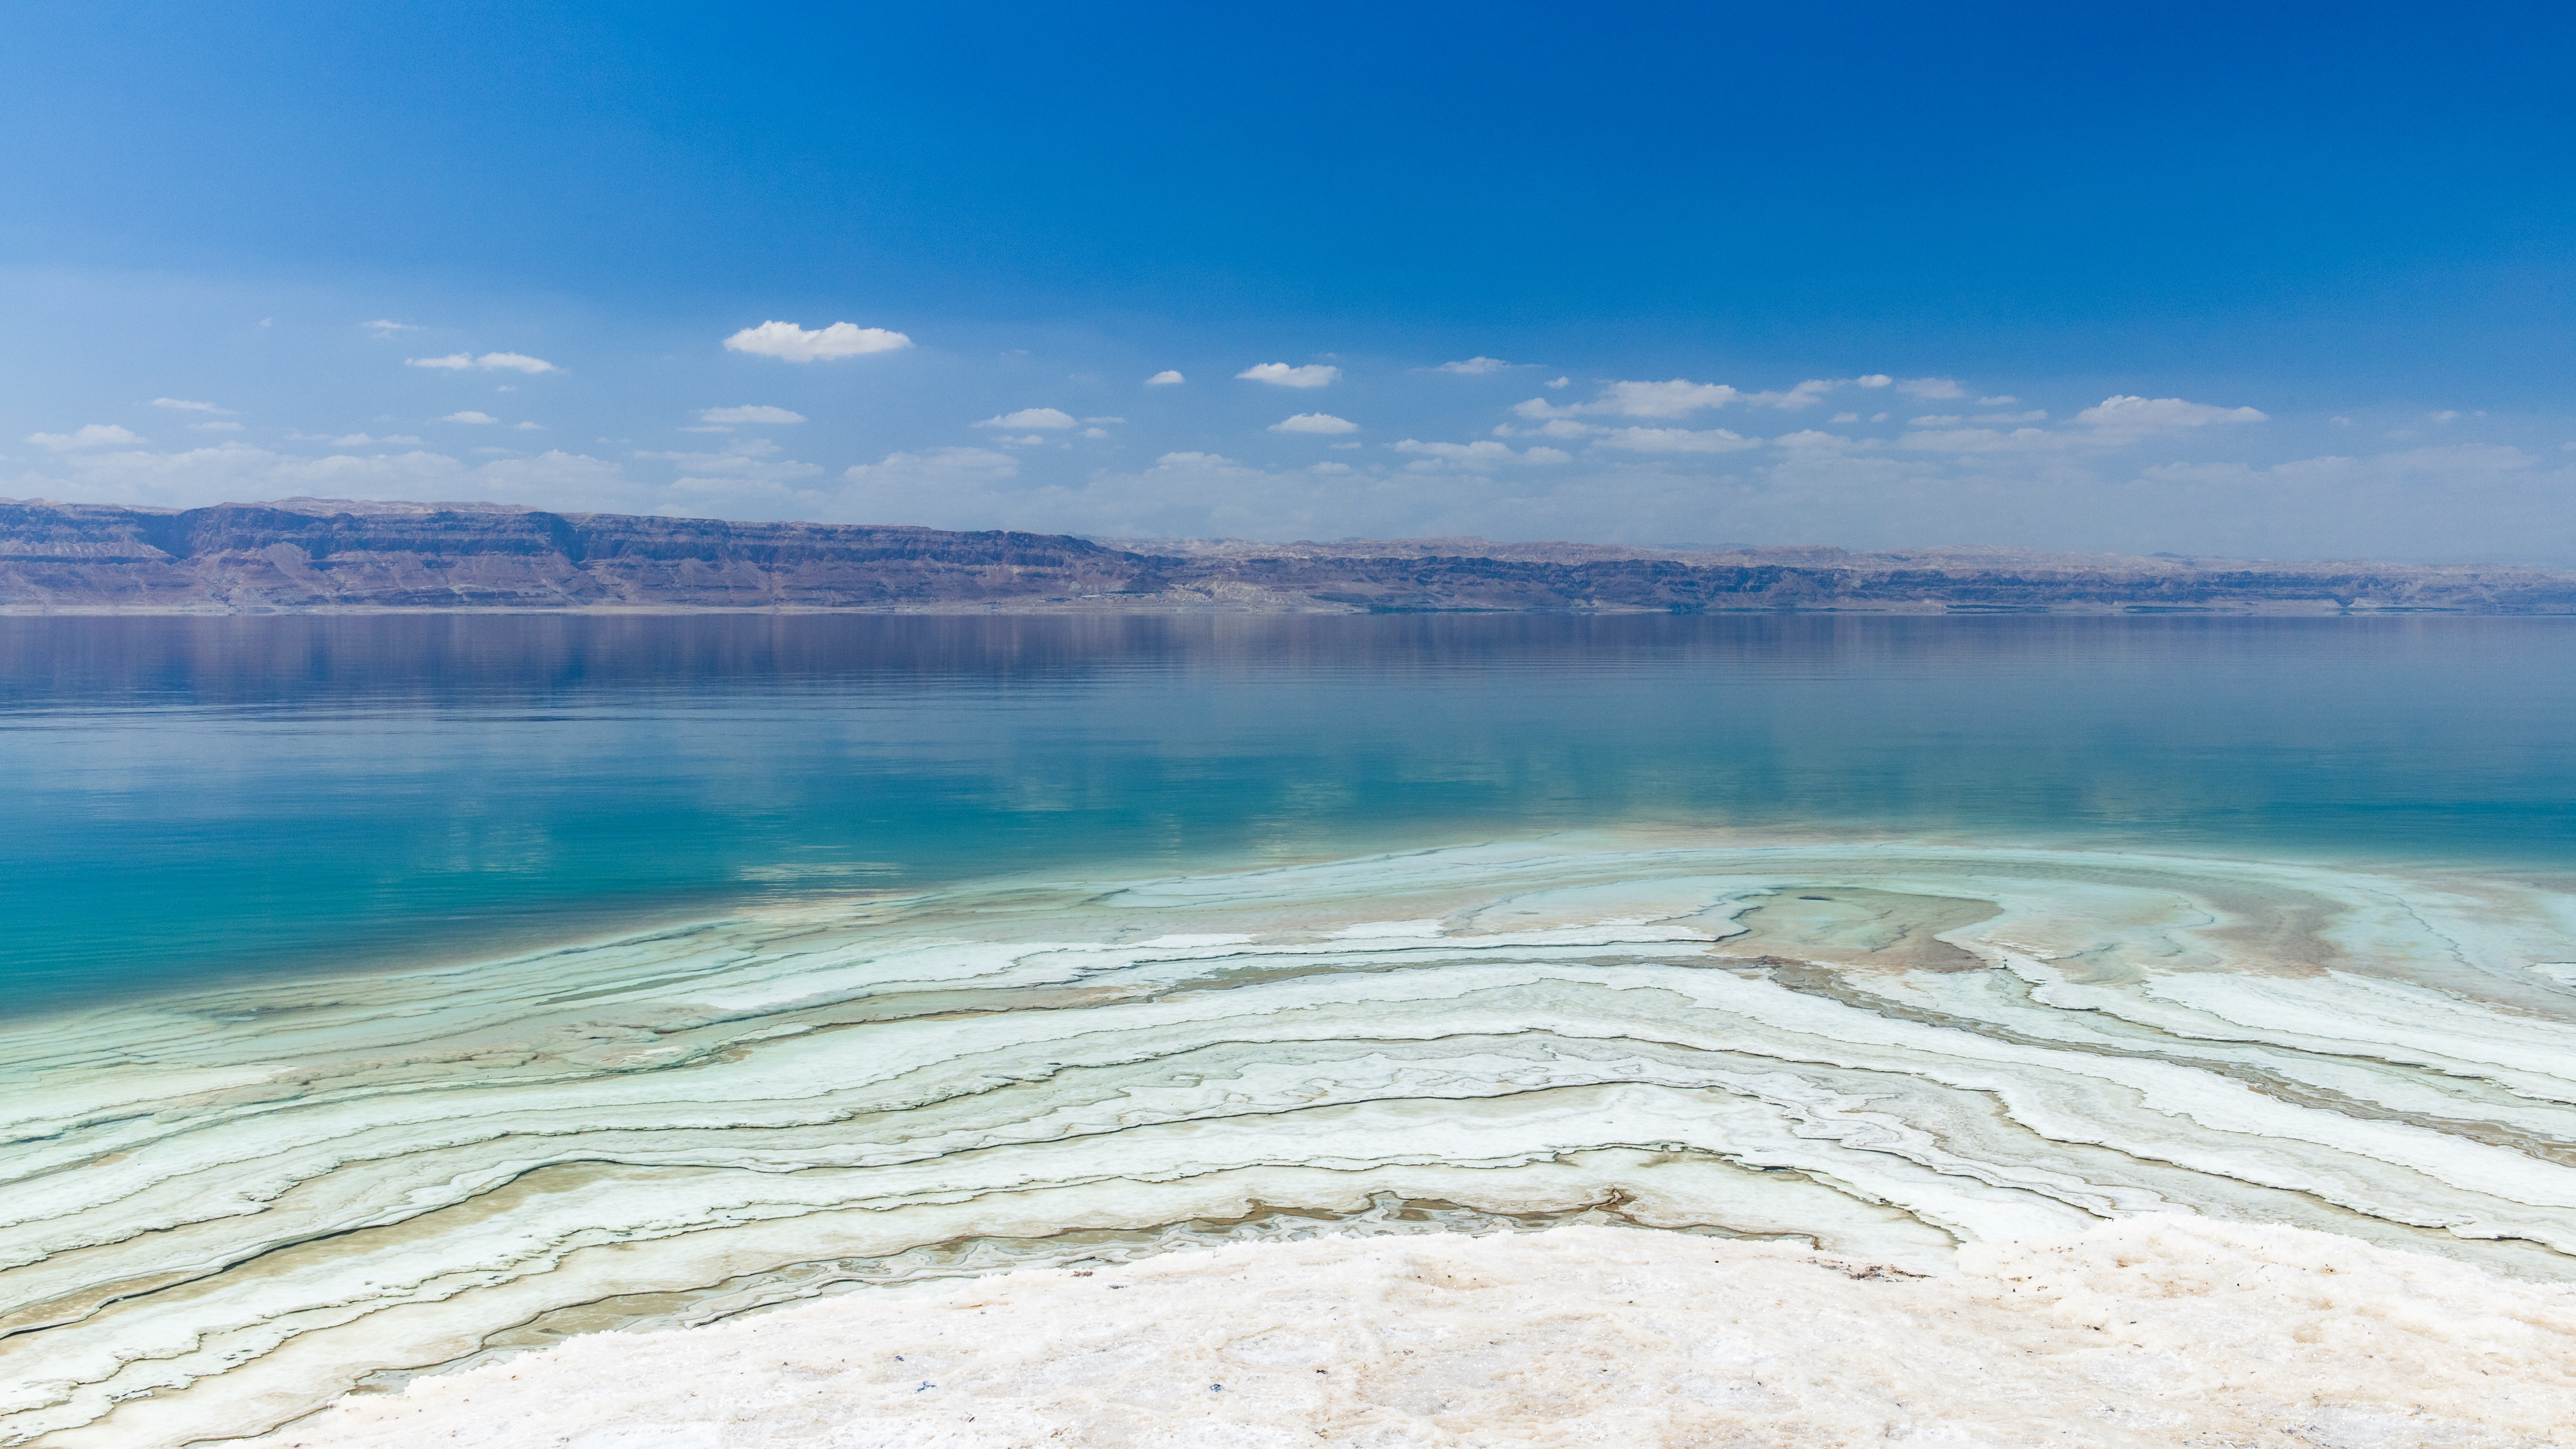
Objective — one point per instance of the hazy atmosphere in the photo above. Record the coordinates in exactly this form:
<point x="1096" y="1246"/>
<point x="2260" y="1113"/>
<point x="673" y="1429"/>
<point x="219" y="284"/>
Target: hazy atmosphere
<point x="2290" y="285"/>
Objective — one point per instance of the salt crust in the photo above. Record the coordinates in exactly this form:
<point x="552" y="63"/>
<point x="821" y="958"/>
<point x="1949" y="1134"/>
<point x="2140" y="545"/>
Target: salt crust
<point x="2157" y="1330"/>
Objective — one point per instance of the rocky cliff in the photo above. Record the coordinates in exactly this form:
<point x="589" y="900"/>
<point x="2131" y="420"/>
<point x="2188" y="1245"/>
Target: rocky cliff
<point x="322" y="554"/>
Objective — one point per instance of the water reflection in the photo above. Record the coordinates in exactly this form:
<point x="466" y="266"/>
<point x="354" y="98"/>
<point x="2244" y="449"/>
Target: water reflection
<point x="201" y="795"/>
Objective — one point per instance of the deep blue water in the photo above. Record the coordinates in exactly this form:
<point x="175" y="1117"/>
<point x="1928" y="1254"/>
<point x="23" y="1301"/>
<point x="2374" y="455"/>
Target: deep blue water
<point x="193" y="797"/>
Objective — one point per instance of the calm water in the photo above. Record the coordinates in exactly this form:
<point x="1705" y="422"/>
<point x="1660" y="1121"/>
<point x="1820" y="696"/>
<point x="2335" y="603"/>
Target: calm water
<point x="195" y="797"/>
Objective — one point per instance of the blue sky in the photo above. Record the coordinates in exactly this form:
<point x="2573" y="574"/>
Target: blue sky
<point x="2196" y="279"/>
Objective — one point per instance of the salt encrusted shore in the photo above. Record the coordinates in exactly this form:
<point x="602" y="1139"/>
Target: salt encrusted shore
<point x="226" y="1208"/>
<point x="2157" y="1330"/>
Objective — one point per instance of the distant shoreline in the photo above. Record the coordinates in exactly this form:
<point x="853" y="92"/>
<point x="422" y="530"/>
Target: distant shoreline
<point x="338" y="556"/>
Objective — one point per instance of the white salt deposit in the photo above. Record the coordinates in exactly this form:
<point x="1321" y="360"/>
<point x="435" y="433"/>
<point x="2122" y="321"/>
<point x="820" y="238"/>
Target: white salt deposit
<point x="2159" y="1330"/>
<point x="221" y="1209"/>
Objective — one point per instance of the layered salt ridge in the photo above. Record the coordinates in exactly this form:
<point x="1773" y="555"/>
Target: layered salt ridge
<point x="220" y="1211"/>
<point x="2155" y="1331"/>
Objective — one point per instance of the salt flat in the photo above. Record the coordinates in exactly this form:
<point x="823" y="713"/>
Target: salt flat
<point x="2153" y="1331"/>
<point x="227" y="1208"/>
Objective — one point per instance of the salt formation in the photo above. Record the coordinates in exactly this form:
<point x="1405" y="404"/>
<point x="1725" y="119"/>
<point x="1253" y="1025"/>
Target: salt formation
<point x="218" y="1211"/>
<point x="2155" y="1331"/>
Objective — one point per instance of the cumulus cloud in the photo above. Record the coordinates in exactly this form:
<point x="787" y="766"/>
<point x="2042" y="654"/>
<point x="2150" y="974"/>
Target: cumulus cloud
<point x="754" y="459"/>
<point x="1805" y="394"/>
<point x="1558" y="381"/>
<point x="936" y="467"/>
<point x="180" y="404"/>
<point x="1476" y="456"/>
<point x="488" y="362"/>
<point x="1165" y="378"/>
<point x="1032" y="418"/>
<point x="90" y="435"/>
<point x="1874" y="379"/>
<point x="1474" y="366"/>
<point x="1679" y="397"/>
<point x="1280" y="374"/>
<point x="1992" y="440"/>
<point x="2128" y="414"/>
<point x="1315" y="423"/>
<point x="1676" y="440"/>
<point x="790" y="343"/>
<point x="1930" y="389"/>
<point x="750" y="413"/>
<point x="470" y="416"/>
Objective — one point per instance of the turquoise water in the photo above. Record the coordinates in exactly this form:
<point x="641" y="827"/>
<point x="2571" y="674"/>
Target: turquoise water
<point x="391" y="994"/>
<point x="192" y="799"/>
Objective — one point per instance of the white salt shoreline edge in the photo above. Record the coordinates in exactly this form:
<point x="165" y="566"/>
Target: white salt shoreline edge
<point x="2155" y="1330"/>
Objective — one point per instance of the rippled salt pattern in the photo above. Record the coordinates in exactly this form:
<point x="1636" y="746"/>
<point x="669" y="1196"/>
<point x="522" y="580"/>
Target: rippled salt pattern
<point x="224" y="1209"/>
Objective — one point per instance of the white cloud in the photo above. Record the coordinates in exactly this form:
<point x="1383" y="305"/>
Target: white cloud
<point x="1474" y="366"/>
<point x="529" y="427"/>
<point x="1165" y="378"/>
<point x="936" y="467"/>
<point x="1805" y="394"/>
<point x="791" y="343"/>
<point x="361" y="440"/>
<point x="215" y="427"/>
<point x="1031" y="418"/>
<point x="1844" y="418"/>
<point x="1315" y="423"/>
<point x="1104" y="420"/>
<point x="1874" y="379"/>
<point x="1989" y="440"/>
<point x="2128" y="414"/>
<point x="1558" y="381"/>
<point x="2001" y="401"/>
<point x="1329" y="469"/>
<point x="385" y="327"/>
<point x="1677" y="398"/>
<point x="1944" y="420"/>
<point x="754" y="459"/>
<point x="1093" y="433"/>
<point x="514" y="362"/>
<point x="90" y="435"/>
<point x="489" y="362"/>
<point x="1676" y="440"/>
<point x="180" y="404"/>
<point x="2034" y="415"/>
<point x="2444" y="416"/>
<point x="1475" y="456"/>
<point x="1929" y="389"/>
<point x="1280" y="374"/>
<point x="469" y="416"/>
<point x="750" y="413"/>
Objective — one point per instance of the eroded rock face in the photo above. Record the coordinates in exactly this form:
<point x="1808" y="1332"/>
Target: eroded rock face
<point x="302" y="554"/>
